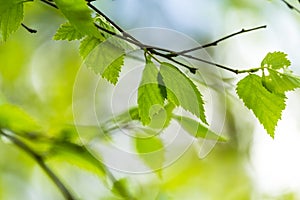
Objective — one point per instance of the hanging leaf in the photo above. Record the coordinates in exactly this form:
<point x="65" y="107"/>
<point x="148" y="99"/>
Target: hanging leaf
<point x="182" y="91"/>
<point x="67" y="32"/>
<point x="280" y="83"/>
<point x="196" y="129"/>
<point x="79" y="15"/>
<point x="87" y="45"/>
<point x="106" y="59"/>
<point x="11" y="16"/>
<point x="149" y="94"/>
<point x="266" y="106"/>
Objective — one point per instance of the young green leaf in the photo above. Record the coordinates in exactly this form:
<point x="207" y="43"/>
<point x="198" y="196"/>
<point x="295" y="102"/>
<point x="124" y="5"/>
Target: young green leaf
<point x="182" y="91"/>
<point x="266" y="106"/>
<point x="17" y="120"/>
<point x="162" y="118"/>
<point x="87" y="45"/>
<point x="11" y="16"/>
<point x="111" y="72"/>
<point x="106" y="59"/>
<point x="67" y="32"/>
<point x="275" y="60"/>
<point x="280" y="83"/>
<point x="149" y="93"/>
<point x="196" y="129"/>
<point x="79" y="15"/>
<point x="151" y="151"/>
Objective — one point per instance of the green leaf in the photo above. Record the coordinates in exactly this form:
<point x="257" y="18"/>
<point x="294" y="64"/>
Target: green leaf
<point x="182" y="91"/>
<point x="162" y="118"/>
<point x="16" y="120"/>
<point x="79" y="15"/>
<point x="106" y="59"/>
<point x="275" y="60"/>
<point x="149" y="94"/>
<point x="151" y="151"/>
<point x="266" y="106"/>
<point x="111" y="72"/>
<point x="11" y="16"/>
<point x="67" y="32"/>
<point x="196" y="129"/>
<point x="87" y="45"/>
<point x="280" y="83"/>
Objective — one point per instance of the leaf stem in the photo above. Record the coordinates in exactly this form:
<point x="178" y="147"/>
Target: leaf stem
<point x="40" y="161"/>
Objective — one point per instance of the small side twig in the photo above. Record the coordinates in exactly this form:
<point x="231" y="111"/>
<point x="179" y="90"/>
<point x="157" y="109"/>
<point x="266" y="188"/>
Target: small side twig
<point x="30" y="30"/>
<point x="215" y="43"/>
<point x="40" y="161"/>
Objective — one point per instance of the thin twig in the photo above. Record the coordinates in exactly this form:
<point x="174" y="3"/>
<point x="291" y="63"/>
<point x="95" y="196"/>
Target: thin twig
<point x="40" y="161"/>
<point x="125" y="34"/>
<point x="215" y="43"/>
<point x="290" y="6"/>
<point x="169" y="54"/>
<point x="30" y="30"/>
<point x="49" y="3"/>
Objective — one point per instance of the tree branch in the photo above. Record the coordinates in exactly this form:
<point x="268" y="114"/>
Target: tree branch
<point x="290" y="6"/>
<point x="40" y="161"/>
<point x="169" y="54"/>
<point x="215" y="43"/>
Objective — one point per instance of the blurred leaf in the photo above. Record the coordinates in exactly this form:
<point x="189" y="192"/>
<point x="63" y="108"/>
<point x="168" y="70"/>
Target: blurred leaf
<point x="11" y="16"/>
<point x="120" y="188"/>
<point x="275" y="60"/>
<point x="182" y="91"/>
<point x="266" y="106"/>
<point x="77" y="155"/>
<point x="196" y="129"/>
<point x="151" y="151"/>
<point x="79" y="15"/>
<point x="149" y="93"/>
<point x="17" y="120"/>
<point x="67" y="32"/>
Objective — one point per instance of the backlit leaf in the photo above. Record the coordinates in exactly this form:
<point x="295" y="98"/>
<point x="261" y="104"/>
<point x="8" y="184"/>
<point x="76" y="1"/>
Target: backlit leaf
<point x="11" y="16"/>
<point x="106" y="59"/>
<point x="79" y="15"/>
<point x="276" y="60"/>
<point x="67" y="32"/>
<point x="182" y="91"/>
<point x="87" y="45"/>
<point x="266" y="106"/>
<point x="280" y="83"/>
<point x="149" y="93"/>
